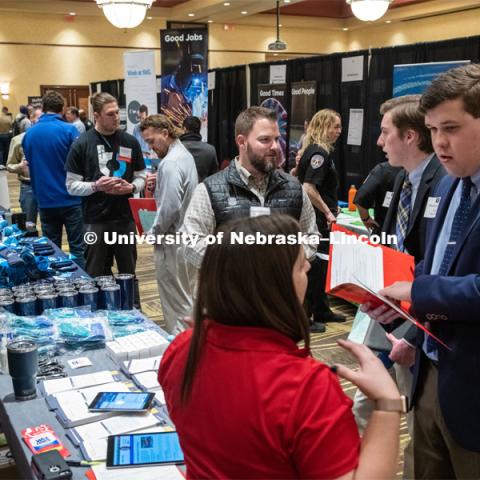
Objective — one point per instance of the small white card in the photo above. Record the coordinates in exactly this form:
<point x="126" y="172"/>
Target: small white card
<point x="387" y="200"/>
<point x="79" y="362"/>
<point x="432" y="207"/>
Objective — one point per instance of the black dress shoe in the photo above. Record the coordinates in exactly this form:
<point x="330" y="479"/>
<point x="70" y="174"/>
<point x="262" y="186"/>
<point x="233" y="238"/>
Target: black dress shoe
<point x="333" y="317"/>
<point x="317" y="327"/>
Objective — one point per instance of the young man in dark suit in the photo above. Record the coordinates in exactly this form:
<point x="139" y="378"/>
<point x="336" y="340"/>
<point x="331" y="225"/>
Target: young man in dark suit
<point x="406" y="143"/>
<point x="446" y="290"/>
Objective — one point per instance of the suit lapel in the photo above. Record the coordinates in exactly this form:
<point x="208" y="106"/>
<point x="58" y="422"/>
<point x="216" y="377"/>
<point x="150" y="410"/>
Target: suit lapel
<point x="472" y="221"/>
<point x="423" y="187"/>
<point x="391" y="220"/>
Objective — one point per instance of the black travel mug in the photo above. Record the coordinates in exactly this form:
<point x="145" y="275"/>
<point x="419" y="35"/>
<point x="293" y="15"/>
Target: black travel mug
<point x="22" y="366"/>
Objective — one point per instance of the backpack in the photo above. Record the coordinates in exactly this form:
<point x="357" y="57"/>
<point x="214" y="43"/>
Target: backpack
<point x="16" y="129"/>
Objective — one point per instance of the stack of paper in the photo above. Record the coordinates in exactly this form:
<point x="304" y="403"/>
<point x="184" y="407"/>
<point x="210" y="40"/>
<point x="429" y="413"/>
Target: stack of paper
<point x="92" y="438"/>
<point x="132" y="367"/>
<point x="71" y="407"/>
<point x="158" y="472"/>
<point x="56" y="385"/>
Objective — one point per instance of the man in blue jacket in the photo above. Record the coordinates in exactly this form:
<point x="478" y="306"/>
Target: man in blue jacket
<point x="46" y="146"/>
<point x="446" y="291"/>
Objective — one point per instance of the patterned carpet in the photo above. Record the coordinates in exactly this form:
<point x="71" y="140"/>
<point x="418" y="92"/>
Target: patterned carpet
<point x="324" y="346"/>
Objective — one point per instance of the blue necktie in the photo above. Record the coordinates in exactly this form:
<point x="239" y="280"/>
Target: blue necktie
<point x="403" y="213"/>
<point x="458" y="226"/>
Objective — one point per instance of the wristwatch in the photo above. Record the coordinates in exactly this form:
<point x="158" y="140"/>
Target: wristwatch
<point x="392" y="405"/>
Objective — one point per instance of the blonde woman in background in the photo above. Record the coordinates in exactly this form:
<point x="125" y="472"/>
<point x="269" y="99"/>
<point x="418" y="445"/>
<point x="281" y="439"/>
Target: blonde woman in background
<point x="316" y="171"/>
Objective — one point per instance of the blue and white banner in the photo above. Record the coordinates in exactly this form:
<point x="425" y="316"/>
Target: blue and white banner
<point x="140" y="85"/>
<point x="184" y="55"/>
<point x="416" y="77"/>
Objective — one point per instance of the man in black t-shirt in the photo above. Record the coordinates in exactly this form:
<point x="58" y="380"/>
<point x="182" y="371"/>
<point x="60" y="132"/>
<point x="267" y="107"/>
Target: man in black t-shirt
<point x="105" y="167"/>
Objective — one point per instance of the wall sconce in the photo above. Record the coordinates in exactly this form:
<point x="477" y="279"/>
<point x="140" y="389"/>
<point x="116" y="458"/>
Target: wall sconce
<point x="5" y="90"/>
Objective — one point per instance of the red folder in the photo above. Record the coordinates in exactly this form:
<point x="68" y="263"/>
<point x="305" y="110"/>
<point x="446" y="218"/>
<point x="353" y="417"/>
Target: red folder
<point x="137" y="204"/>
<point x="397" y="266"/>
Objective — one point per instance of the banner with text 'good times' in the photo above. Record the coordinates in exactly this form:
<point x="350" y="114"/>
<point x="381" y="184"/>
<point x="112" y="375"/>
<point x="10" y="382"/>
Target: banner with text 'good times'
<point x="184" y="58"/>
<point x="273" y="96"/>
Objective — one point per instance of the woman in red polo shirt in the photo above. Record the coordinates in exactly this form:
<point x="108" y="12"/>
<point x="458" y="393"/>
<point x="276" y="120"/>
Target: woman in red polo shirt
<point x="246" y="401"/>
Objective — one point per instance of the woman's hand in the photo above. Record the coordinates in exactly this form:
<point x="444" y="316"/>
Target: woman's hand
<point x="371" y="378"/>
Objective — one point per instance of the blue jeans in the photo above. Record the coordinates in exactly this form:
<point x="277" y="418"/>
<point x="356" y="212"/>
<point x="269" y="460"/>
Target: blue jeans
<point x="28" y="202"/>
<point x="53" y="220"/>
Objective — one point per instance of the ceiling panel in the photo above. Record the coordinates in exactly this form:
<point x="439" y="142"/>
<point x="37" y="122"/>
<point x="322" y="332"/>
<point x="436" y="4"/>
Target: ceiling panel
<point x="328" y="8"/>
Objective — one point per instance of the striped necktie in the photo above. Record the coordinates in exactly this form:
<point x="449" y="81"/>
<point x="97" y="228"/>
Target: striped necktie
<point x="458" y="226"/>
<point x="403" y="213"/>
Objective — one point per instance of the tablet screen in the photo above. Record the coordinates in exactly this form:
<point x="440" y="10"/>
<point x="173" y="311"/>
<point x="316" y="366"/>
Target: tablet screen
<point x="141" y="449"/>
<point x="118" y="401"/>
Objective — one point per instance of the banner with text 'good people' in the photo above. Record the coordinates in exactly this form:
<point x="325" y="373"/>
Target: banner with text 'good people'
<point x="304" y="101"/>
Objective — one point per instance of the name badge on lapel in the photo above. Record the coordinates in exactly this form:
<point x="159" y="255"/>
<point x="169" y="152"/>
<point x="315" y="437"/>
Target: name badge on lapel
<point x="257" y="211"/>
<point x="432" y="207"/>
<point x="387" y="200"/>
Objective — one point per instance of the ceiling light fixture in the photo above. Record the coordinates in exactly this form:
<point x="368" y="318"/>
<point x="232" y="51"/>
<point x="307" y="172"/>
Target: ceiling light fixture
<point x="226" y="4"/>
<point x="125" y="13"/>
<point x="72" y="14"/>
<point x="369" y="10"/>
<point x="277" y="44"/>
<point x="210" y="21"/>
<point x="243" y="12"/>
<point x="5" y="90"/>
<point x="191" y="14"/>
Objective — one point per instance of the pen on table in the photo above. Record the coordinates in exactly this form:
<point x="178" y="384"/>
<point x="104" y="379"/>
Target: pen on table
<point x="81" y="463"/>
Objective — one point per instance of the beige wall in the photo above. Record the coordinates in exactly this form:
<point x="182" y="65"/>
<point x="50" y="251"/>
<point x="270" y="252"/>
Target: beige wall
<point x="442" y="27"/>
<point x="77" y="53"/>
<point x="80" y="55"/>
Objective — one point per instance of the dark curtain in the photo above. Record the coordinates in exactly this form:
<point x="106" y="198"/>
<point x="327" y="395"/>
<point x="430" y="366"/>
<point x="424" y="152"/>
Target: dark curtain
<point x="113" y="87"/>
<point x="351" y="160"/>
<point x="353" y="163"/>
<point x="380" y="80"/>
<point x="225" y="102"/>
<point x="259" y="73"/>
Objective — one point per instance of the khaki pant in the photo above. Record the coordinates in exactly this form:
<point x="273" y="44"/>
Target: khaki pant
<point x="363" y="408"/>
<point x="174" y="285"/>
<point x="436" y="455"/>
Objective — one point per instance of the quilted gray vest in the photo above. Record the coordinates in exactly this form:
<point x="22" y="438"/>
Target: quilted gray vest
<point x="230" y="198"/>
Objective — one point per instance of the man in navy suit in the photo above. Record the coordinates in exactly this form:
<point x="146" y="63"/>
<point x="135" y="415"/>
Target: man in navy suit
<point x="446" y="291"/>
<point x="407" y="143"/>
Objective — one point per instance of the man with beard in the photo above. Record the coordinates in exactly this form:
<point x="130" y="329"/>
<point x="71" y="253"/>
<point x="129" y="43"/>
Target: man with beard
<point x="175" y="180"/>
<point x="250" y="186"/>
